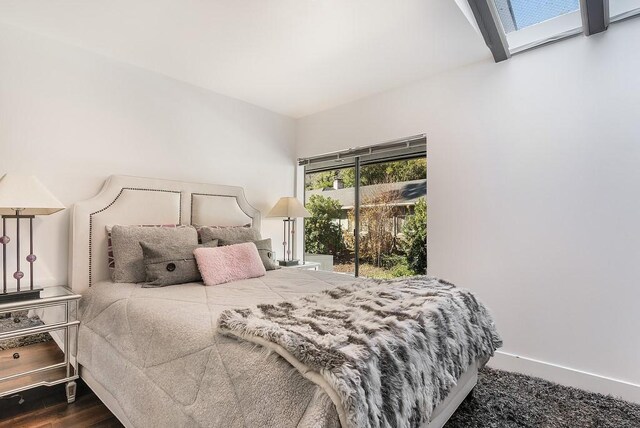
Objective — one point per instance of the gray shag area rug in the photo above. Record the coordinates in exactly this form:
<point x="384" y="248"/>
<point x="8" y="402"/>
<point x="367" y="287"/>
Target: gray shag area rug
<point x="504" y="399"/>
<point x="19" y="320"/>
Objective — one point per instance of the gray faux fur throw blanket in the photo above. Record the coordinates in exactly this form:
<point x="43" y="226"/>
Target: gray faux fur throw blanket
<point x="386" y="352"/>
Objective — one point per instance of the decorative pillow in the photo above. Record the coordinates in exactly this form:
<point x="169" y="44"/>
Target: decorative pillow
<point x="231" y="235"/>
<point x="231" y="263"/>
<point x="200" y="227"/>
<point x="265" y="251"/>
<point x="127" y="252"/>
<point x="110" y="260"/>
<point x="171" y="264"/>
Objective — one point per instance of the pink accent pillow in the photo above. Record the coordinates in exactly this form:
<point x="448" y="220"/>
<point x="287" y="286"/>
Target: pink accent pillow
<point x="229" y="263"/>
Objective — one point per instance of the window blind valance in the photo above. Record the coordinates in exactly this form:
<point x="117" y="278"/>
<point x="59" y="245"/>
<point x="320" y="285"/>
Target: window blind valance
<point x="409" y="147"/>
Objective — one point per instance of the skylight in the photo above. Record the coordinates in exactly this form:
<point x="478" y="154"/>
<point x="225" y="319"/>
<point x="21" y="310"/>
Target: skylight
<point x="528" y="22"/>
<point x="622" y="9"/>
<point x="518" y="14"/>
<point x="512" y="26"/>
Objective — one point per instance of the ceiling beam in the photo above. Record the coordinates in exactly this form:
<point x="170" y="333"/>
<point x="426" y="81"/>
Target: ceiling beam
<point x="490" y="27"/>
<point x="595" y="16"/>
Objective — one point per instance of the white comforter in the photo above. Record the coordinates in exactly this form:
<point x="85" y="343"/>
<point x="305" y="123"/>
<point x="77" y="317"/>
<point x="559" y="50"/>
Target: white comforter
<point x="157" y="352"/>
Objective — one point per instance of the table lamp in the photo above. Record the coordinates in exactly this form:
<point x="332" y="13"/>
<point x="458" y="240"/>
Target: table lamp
<point x="290" y="208"/>
<point x="22" y="197"/>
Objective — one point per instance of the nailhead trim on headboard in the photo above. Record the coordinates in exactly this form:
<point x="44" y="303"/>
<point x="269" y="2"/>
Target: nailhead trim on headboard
<point x="224" y="196"/>
<point x="109" y="206"/>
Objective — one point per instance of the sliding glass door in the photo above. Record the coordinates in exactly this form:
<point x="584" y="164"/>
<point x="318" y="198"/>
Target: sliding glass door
<point x="328" y="233"/>
<point x="392" y="220"/>
<point x="369" y="212"/>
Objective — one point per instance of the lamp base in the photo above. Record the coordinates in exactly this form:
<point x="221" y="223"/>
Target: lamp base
<point x="17" y="296"/>
<point x="288" y="262"/>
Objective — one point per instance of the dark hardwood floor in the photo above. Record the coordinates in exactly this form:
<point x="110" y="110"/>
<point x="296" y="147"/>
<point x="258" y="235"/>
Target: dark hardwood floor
<point x="47" y="407"/>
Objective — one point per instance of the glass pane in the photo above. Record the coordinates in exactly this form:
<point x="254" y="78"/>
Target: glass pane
<point x="530" y="23"/>
<point x="518" y="14"/>
<point x="328" y="233"/>
<point x="620" y="9"/>
<point x="393" y="222"/>
<point x="57" y="291"/>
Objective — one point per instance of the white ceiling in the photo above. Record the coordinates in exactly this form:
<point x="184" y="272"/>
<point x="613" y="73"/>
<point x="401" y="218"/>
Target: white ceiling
<point x="295" y="57"/>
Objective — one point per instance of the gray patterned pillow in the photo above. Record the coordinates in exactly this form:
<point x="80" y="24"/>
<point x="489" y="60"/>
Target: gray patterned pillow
<point x="127" y="253"/>
<point x="200" y="227"/>
<point x="264" y="250"/>
<point x="110" y="260"/>
<point x="231" y="235"/>
<point x="266" y="254"/>
<point x="171" y="264"/>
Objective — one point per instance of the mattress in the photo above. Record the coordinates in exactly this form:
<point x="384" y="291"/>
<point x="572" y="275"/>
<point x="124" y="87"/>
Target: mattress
<point x="157" y="352"/>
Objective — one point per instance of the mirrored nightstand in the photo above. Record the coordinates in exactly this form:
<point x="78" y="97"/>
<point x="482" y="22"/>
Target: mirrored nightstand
<point x="38" y="342"/>
<point x="304" y="266"/>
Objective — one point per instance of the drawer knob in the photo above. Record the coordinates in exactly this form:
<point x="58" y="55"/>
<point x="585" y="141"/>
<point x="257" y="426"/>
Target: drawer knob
<point x="16" y="356"/>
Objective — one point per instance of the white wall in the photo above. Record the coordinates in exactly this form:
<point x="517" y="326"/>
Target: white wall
<point x="534" y="194"/>
<point x="73" y="118"/>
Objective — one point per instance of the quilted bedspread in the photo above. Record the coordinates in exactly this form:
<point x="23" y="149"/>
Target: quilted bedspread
<point x="158" y="353"/>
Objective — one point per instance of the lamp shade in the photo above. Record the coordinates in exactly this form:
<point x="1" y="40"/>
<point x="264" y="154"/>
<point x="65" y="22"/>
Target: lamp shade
<point x="27" y="194"/>
<point x="289" y="207"/>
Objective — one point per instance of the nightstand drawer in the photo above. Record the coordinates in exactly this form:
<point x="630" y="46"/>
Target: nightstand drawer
<point x="23" y="319"/>
<point x="34" y="357"/>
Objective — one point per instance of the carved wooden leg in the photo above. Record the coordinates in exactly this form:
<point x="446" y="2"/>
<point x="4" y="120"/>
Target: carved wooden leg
<point x="71" y="391"/>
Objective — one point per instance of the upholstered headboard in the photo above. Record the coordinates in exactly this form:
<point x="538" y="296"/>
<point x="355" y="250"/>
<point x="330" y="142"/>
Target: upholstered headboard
<point x="136" y="200"/>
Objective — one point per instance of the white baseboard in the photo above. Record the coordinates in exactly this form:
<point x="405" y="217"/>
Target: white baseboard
<point x="566" y="376"/>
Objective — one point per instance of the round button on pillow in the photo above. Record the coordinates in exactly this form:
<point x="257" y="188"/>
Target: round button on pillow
<point x="171" y="267"/>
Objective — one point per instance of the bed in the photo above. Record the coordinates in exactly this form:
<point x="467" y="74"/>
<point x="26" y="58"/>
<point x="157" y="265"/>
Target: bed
<point x="155" y="357"/>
